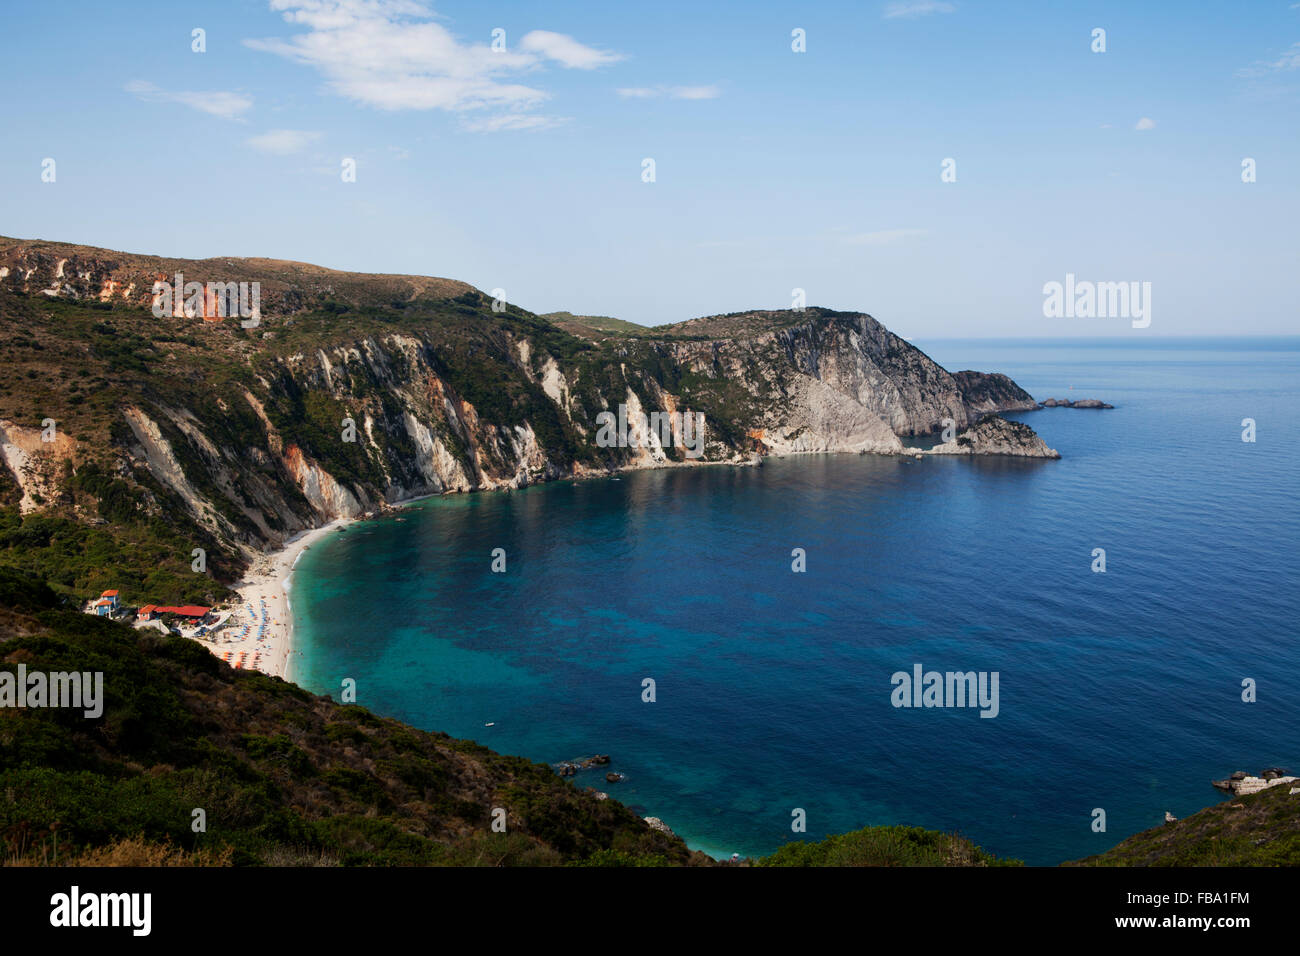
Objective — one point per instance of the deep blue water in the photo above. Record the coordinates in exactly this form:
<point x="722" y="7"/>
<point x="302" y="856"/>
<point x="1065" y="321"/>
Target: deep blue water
<point x="1119" y="690"/>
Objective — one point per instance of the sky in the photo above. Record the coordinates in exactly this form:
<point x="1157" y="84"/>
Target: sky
<point x="523" y="168"/>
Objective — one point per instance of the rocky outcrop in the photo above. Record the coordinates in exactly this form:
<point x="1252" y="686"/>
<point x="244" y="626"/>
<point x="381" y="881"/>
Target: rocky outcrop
<point x="995" y="435"/>
<point x="33" y="456"/>
<point x="88" y="274"/>
<point x="657" y="824"/>
<point x="1241" y="784"/>
<point x="1079" y="403"/>
<point x="992" y="392"/>
<point x="408" y="386"/>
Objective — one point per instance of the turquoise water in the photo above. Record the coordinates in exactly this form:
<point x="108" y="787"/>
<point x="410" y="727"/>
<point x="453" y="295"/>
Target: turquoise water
<point x="1119" y="691"/>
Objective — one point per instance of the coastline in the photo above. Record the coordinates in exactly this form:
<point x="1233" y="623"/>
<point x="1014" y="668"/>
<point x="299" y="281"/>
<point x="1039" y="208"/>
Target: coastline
<point x="268" y="580"/>
<point x="267" y="585"/>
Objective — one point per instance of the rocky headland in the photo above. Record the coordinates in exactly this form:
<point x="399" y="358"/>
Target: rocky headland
<point x="356" y="391"/>
<point x="995" y="435"/>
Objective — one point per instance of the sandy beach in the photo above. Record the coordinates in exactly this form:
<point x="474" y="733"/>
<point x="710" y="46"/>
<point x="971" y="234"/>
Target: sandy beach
<point x="259" y="634"/>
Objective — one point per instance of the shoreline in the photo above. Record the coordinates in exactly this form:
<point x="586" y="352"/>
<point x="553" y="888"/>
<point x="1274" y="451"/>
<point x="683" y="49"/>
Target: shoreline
<point x="268" y="581"/>
<point x="265" y="589"/>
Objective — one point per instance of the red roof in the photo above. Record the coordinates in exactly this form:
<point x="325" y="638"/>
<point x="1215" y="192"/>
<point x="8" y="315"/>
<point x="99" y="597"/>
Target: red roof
<point x="148" y="609"/>
<point x="186" y="610"/>
<point x="109" y="594"/>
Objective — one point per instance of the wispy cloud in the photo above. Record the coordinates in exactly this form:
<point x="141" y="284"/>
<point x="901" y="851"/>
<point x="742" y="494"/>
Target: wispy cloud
<point x="282" y="142"/>
<point x="222" y="104"/>
<point x="675" y="92"/>
<point x="695" y="92"/>
<point x="1288" y="61"/>
<point x="509" y="121"/>
<point x="883" y="237"/>
<point x="909" y="9"/>
<point x="393" y="55"/>
<point x="838" y="236"/>
<point x="1145" y="123"/>
<point x="566" y="51"/>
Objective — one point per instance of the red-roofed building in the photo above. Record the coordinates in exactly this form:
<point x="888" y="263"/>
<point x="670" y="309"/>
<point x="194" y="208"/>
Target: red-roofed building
<point x="185" y="610"/>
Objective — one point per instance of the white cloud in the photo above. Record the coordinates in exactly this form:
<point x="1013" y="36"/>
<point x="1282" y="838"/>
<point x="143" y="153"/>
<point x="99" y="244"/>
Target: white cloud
<point x="884" y="237"/>
<point x="566" y="51"/>
<point x="1288" y="61"/>
<point x="676" y="92"/>
<point x="1145" y="122"/>
<point x="393" y="55"/>
<point x="509" y="121"/>
<point x="909" y="9"/>
<point x="222" y="104"/>
<point x="282" y="142"/>
<point x="695" y="92"/>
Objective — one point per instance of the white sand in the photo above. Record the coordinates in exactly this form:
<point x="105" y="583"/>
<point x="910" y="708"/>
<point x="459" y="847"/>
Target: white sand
<point x="267" y="585"/>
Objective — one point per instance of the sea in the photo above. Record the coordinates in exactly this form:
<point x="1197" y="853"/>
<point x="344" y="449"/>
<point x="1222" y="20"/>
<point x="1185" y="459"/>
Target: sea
<point x="735" y="637"/>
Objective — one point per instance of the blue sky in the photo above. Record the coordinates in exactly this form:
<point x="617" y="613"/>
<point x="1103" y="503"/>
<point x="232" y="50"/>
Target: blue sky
<point x="774" y="170"/>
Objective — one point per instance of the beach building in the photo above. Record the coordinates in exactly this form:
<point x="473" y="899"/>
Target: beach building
<point x="195" y="612"/>
<point x="106" y="605"/>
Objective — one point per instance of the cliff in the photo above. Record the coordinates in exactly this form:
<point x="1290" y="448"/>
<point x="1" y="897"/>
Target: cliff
<point x="356" y="390"/>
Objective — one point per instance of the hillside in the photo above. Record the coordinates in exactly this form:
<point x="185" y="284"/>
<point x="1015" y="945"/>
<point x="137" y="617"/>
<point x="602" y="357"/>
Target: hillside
<point x="595" y="327"/>
<point x="356" y="391"/>
<point x="283" y="776"/>
<point x="1262" y="829"/>
<point x="288" y="778"/>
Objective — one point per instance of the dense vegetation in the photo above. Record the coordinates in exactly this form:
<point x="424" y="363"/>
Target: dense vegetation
<point x="283" y="776"/>
<point x="885" y="846"/>
<point x="110" y="522"/>
<point x="1262" y="829"/>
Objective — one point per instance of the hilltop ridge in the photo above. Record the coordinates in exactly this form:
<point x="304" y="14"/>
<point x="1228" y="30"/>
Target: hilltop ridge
<point x="355" y="391"/>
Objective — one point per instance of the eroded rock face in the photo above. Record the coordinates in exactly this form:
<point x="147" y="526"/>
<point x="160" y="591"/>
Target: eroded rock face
<point x="995" y="435"/>
<point x="33" y="461"/>
<point x="992" y="392"/>
<point x="458" y="398"/>
<point x="85" y="273"/>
